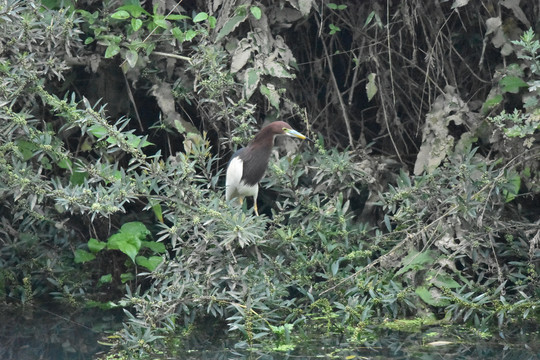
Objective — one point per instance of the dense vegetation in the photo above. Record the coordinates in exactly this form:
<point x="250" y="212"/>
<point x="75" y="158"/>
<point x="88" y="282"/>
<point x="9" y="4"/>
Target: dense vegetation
<point x="419" y="199"/>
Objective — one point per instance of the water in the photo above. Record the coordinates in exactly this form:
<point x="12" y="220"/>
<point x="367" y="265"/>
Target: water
<point x="31" y="333"/>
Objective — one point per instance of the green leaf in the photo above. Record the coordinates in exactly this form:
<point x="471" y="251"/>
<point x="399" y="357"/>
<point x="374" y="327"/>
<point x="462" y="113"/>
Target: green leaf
<point x="77" y="178"/>
<point x="156" y="247"/>
<point x="178" y="34"/>
<point x="443" y="280"/>
<point x="88" y="40"/>
<point x="251" y="81"/>
<point x="429" y="298"/>
<point x="150" y="263"/>
<point x="125" y="277"/>
<point x="415" y="261"/>
<point x="101" y="305"/>
<point x="271" y="94"/>
<point x="492" y="102"/>
<point x="335" y="267"/>
<point x="256" y="12"/>
<point x="136" y="24"/>
<point x="175" y="17"/>
<point x="135" y="228"/>
<point x="190" y="34"/>
<point x="132" y="57"/>
<point x="136" y="141"/>
<point x="160" y="21"/>
<point x="334" y="29"/>
<point x="112" y="50"/>
<point x="135" y="10"/>
<point x="26" y="149"/>
<point x="512" y="84"/>
<point x="65" y="163"/>
<point x="95" y="245"/>
<point x="512" y="186"/>
<point x="371" y="86"/>
<point x="98" y="131"/>
<point x="156" y="207"/>
<point x="230" y="25"/>
<point x="129" y="245"/>
<point x="212" y="21"/>
<point x="332" y="6"/>
<point x="200" y="17"/>
<point x="82" y="256"/>
<point x="129" y="239"/>
<point x="105" y="279"/>
<point x="120" y="15"/>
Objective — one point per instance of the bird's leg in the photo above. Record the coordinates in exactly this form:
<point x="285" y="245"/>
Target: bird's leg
<point x="255" y="207"/>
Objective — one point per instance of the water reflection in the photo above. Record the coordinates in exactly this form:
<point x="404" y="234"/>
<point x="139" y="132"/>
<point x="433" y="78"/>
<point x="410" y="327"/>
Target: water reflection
<point x="54" y="333"/>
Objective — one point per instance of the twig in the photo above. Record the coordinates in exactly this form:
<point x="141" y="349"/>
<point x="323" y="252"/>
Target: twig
<point x="174" y="56"/>
<point x="340" y="97"/>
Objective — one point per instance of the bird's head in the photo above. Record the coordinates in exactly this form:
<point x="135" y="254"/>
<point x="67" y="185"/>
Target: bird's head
<point x="282" y="128"/>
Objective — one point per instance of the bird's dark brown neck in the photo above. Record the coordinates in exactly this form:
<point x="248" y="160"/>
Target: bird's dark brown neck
<point x="265" y="138"/>
<point x="255" y="158"/>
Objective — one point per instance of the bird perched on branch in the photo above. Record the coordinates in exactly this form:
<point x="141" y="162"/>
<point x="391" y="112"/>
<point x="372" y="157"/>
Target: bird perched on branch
<point x="248" y="165"/>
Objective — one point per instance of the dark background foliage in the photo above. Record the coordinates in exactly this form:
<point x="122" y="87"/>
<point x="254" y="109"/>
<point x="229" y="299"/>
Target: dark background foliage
<point x="418" y="200"/>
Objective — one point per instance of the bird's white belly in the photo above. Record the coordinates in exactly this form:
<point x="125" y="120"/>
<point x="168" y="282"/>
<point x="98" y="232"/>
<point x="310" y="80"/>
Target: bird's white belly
<point x="234" y="186"/>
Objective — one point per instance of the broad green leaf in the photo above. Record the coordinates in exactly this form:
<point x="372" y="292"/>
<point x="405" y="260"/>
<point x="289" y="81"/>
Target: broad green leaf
<point x="88" y="40"/>
<point x="512" y="84"/>
<point x="335" y="267"/>
<point x="491" y="103"/>
<point x="120" y="15"/>
<point x="178" y="34"/>
<point x="251" y="81"/>
<point x="95" y="245"/>
<point x="131" y="57"/>
<point x="256" y="12"/>
<point x="112" y="50"/>
<point x="136" y="24"/>
<point x="334" y="29"/>
<point x="212" y="21"/>
<point x="175" y="17"/>
<point x="26" y="149"/>
<point x="136" y="141"/>
<point x="64" y="163"/>
<point x="98" y="131"/>
<point x="77" y="178"/>
<point x="161" y="22"/>
<point x="105" y="279"/>
<point x="428" y="297"/>
<point x="190" y="34"/>
<point x="512" y="186"/>
<point x="276" y="69"/>
<point x="158" y="211"/>
<point x="136" y="228"/>
<point x="150" y="263"/>
<point x="156" y="247"/>
<point x="101" y="305"/>
<point x="125" y="277"/>
<point x="443" y="280"/>
<point x="230" y="25"/>
<point x="371" y="86"/>
<point x="135" y="10"/>
<point x="82" y="256"/>
<point x="127" y="244"/>
<point x="271" y="94"/>
<point x="415" y="261"/>
<point x="200" y="17"/>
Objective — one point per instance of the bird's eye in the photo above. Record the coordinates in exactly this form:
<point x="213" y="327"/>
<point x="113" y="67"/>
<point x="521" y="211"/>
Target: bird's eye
<point x="285" y="129"/>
